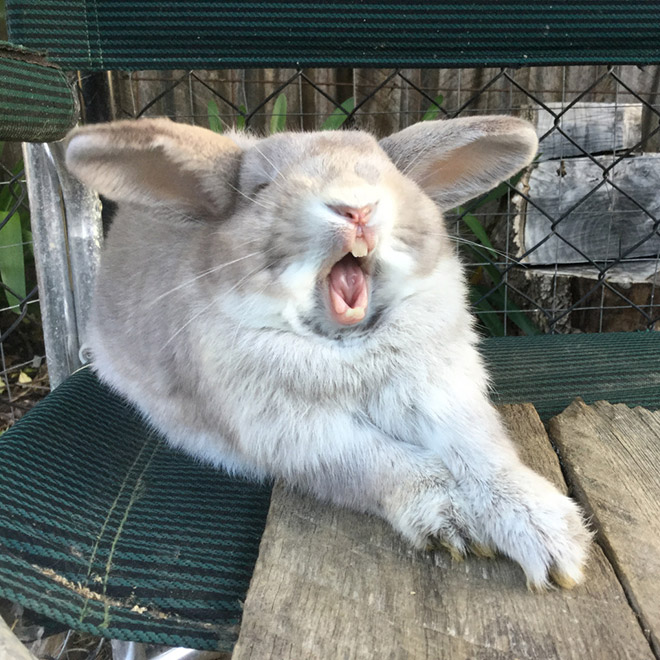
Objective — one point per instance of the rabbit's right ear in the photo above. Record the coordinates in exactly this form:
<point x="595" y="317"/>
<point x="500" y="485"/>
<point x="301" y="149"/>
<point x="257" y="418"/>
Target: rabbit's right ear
<point x="454" y="160"/>
<point x="156" y="162"/>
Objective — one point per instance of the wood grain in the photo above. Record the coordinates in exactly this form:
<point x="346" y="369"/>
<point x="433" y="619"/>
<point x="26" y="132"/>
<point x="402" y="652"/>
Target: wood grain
<point x="606" y="224"/>
<point x="331" y="583"/>
<point x="597" y="127"/>
<point x="612" y="457"/>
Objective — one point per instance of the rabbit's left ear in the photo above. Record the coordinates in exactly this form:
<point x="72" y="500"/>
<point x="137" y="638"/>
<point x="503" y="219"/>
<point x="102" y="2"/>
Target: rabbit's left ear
<point x="156" y="162"/>
<point x="454" y="160"/>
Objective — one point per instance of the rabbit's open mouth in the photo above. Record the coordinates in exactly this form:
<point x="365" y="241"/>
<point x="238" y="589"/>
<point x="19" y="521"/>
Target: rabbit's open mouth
<point x="349" y="293"/>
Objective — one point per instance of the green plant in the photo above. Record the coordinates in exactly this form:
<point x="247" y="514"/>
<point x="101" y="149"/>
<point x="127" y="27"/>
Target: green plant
<point x="278" y="117"/>
<point x="15" y="240"/>
<point x="339" y="115"/>
<point x="487" y="289"/>
<point x="215" y="121"/>
<point x="433" y="112"/>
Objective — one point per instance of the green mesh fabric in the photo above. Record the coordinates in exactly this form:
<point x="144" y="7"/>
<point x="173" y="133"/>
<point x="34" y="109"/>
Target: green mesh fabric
<point x="551" y="370"/>
<point x="36" y="101"/>
<point x="213" y="34"/>
<point x="106" y="529"/>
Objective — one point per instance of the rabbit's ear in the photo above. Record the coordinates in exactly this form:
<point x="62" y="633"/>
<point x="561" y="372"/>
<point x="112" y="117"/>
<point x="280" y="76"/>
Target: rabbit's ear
<point x="155" y="162"/>
<point x="455" y="160"/>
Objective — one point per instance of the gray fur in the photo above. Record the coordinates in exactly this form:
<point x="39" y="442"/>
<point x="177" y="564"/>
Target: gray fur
<point x="211" y="315"/>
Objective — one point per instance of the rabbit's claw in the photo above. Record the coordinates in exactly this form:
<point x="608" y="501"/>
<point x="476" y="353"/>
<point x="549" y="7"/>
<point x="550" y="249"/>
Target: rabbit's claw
<point x="563" y="580"/>
<point x="521" y="516"/>
<point x="456" y="549"/>
<point x="482" y="550"/>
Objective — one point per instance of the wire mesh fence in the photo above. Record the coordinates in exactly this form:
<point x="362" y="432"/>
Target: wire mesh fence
<point x="571" y="245"/>
<point x="23" y="376"/>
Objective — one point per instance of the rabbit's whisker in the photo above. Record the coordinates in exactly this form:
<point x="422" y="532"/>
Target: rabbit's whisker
<point x="205" y="273"/>
<point x="270" y="162"/>
<point x="213" y="302"/>
<point x="240" y="192"/>
<point x="460" y="239"/>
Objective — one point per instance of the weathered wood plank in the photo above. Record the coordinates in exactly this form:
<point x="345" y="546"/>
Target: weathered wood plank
<point x="612" y="457"/>
<point x="605" y="225"/>
<point x="596" y="127"/>
<point x="331" y="583"/>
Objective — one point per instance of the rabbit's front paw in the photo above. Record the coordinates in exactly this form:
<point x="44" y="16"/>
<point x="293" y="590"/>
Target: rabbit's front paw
<point x="429" y="515"/>
<point x="543" y="530"/>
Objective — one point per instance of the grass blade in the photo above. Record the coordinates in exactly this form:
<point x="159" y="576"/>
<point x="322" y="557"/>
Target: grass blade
<point x="215" y="123"/>
<point x="434" y="110"/>
<point x="339" y="115"/>
<point x="477" y="229"/>
<point x="486" y="314"/>
<point x="12" y="259"/>
<point x="513" y="312"/>
<point x="278" y="118"/>
<point x="240" y="119"/>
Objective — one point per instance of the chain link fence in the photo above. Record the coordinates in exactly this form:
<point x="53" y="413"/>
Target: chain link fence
<point x="23" y="375"/>
<point x="571" y="245"/>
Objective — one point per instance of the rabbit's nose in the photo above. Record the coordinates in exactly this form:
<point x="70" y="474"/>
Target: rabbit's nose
<point x="358" y="216"/>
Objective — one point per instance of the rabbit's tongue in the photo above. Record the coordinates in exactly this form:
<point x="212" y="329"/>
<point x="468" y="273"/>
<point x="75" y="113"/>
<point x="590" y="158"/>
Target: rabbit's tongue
<point x="348" y="291"/>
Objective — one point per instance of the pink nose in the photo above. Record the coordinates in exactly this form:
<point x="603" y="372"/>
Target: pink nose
<point x="358" y="216"/>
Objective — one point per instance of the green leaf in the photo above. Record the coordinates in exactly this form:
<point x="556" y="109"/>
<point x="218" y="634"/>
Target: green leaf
<point x="486" y="314"/>
<point x="434" y="110"/>
<point x="478" y="230"/>
<point x="484" y="262"/>
<point x="514" y="313"/>
<point x="27" y="234"/>
<point x="12" y="253"/>
<point x="339" y="115"/>
<point x="12" y="259"/>
<point x="278" y="118"/>
<point x="240" y="119"/>
<point x="215" y="123"/>
<point x="496" y="300"/>
<point x="499" y="191"/>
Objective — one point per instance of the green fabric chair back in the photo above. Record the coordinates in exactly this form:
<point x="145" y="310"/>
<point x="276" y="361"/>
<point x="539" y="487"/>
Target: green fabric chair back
<point x="220" y="34"/>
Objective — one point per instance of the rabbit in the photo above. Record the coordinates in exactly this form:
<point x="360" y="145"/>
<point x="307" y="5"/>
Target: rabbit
<point x="291" y="307"/>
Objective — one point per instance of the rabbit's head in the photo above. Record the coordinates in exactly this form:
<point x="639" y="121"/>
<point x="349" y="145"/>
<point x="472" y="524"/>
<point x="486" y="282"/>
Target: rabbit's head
<point x="315" y="233"/>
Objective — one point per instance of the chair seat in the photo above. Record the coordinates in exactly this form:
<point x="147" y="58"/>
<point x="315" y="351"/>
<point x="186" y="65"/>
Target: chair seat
<point x="103" y="527"/>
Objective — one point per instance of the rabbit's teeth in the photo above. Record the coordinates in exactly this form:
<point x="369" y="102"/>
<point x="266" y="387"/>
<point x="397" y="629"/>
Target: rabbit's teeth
<point x="354" y="314"/>
<point x="360" y="248"/>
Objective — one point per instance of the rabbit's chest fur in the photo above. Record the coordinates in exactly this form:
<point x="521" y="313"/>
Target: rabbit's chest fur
<point x="217" y="385"/>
